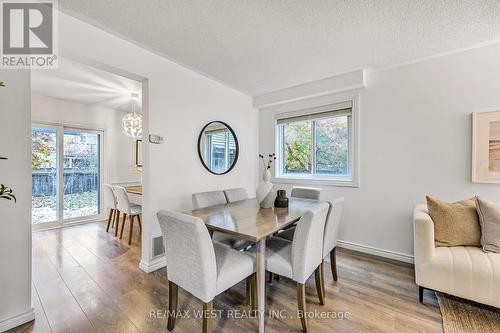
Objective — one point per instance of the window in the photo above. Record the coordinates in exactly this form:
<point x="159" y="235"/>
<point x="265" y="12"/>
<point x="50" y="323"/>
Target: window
<point x="221" y="150"/>
<point x="316" y="144"/>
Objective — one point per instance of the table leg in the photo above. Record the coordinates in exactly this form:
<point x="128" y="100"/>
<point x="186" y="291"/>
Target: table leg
<point x="261" y="282"/>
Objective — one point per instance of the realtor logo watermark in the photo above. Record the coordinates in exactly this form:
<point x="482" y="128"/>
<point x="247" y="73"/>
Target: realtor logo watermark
<point x="28" y="34"/>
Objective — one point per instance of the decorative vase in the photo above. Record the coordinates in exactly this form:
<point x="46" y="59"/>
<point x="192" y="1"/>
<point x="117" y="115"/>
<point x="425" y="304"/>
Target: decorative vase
<point x="281" y="200"/>
<point x="265" y="191"/>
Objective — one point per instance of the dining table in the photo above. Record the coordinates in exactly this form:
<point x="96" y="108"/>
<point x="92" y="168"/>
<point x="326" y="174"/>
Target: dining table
<point x="247" y="220"/>
<point x="134" y="189"/>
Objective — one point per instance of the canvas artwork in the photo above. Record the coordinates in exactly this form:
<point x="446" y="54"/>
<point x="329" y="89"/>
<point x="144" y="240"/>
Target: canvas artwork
<point x="494" y="146"/>
<point x="486" y="147"/>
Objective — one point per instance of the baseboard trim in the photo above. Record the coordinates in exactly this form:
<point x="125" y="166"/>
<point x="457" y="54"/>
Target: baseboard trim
<point x="377" y="252"/>
<point x="153" y="265"/>
<point x="160" y="262"/>
<point x="17" y="320"/>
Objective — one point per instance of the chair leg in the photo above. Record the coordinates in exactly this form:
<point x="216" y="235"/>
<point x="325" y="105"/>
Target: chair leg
<point x="277" y="277"/>
<point x="333" y="263"/>
<point x="249" y="290"/>
<point x="123" y="225"/>
<point x="254" y="292"/>
<point x="270" y="281"/>
<point x="320" y="287"/>
<point x="301" y="301"/>
<point x="421" y="294"/>
<point x="111" y="212"/>
<point x="131" y="221"/>
<point x="117" y="222"/>
<point x="173" y="291"/>
<point x="207" y="314"/>
<point x="140" y="224"/>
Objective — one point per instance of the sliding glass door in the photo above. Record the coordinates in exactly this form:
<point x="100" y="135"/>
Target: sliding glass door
<point x="67" y="164"/>
<point x="44" y="162"/>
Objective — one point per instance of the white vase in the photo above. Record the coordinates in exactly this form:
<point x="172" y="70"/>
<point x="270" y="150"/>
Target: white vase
<point x="265" y="191"/>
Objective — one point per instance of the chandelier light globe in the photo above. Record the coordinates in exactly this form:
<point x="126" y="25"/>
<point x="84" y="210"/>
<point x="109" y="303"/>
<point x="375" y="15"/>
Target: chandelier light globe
<point x="132" y="125"/>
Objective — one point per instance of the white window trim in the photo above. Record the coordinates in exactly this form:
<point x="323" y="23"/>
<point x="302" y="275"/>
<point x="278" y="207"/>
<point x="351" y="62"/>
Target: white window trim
<point x="353" y="180"/>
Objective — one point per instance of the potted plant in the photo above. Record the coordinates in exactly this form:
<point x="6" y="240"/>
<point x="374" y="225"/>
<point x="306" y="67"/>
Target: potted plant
<point x="5" y="191"/>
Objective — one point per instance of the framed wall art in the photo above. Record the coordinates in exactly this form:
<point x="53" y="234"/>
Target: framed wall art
<point x="486" y="147"/>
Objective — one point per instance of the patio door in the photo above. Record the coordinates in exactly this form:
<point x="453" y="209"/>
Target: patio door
<point x="66" y="175"/>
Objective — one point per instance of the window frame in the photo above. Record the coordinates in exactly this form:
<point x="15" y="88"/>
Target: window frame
<point x="352" y="179"/>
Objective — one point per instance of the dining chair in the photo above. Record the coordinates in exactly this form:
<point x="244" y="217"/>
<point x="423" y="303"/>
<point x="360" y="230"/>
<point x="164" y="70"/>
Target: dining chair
<point x="311" y="193"/>
<point x="330" y="234"/>
<point x="301" y="193"/>
<point x="300" y="258"/>
<point x="110" y="199"/>
<point x="213" y="198"/>
<point x="236" y="194"/>
<point x="198" y="265"/>
<point x="132" y="211"/>
<point x="305" y="192"/>
<point x="208" y="199"/>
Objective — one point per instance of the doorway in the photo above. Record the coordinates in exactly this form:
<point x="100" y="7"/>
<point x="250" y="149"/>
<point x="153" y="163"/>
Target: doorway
<point x="66" y="174"/>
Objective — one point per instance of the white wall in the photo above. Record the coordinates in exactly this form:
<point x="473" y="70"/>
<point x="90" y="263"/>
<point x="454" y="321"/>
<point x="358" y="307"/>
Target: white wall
<point x="119" y="150"/>
<point x="15" y="218"/>
<point x="415" y="140"/>
<point x="180" y="103"/>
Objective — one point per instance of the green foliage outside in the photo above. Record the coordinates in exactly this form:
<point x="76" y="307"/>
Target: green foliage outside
<point x="331" y="146"/>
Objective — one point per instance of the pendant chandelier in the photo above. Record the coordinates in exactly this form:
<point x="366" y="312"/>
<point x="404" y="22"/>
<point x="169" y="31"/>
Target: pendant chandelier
<point x="132" y="123"/>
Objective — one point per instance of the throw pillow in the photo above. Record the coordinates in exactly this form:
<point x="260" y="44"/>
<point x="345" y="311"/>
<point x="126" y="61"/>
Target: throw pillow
<point x="489" y="218"/>
<point x="455" y="224"/>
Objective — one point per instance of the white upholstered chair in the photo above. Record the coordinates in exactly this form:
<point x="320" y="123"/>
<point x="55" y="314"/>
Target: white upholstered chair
<point x="306" y="192"/>
<point x="197" y="265"/>
<point x="236" y="194"/>
<point x="213" y="198"/>
<point x="132" y="211"/>
<point x="208" y="199"/>
<point x="299" y="258"/>
<point x="330" y="234"/>
<point x="110" y="200"/>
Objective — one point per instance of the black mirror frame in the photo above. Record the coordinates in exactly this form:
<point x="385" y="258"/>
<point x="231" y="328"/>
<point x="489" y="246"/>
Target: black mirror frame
<point x="235" y="141"/>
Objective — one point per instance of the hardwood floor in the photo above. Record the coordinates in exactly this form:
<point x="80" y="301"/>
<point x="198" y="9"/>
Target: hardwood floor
<point x="86" y="280"/>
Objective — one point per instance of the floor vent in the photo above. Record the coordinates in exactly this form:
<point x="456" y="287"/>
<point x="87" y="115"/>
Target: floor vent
<point x="158" y="248"/>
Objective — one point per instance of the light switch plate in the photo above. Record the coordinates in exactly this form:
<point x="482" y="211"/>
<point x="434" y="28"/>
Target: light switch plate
<point x="156" y="139"/>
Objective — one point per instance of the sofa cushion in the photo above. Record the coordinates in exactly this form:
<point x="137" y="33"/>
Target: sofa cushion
<point x="489" y="218"/>
<point x="455" y="224"/>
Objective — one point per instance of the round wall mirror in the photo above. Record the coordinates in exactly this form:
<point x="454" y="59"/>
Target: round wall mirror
<point x="218" y="147"/>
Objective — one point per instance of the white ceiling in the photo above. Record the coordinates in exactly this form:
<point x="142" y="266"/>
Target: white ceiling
<point x="259" y="46"/>
<point x="83" y="84"/>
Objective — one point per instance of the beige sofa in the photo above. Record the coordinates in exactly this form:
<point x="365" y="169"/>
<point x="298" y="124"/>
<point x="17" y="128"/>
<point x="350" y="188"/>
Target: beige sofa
<point x="463" y="271"/>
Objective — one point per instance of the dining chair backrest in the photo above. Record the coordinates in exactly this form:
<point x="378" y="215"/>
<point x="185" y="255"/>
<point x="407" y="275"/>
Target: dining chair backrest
<point x="307" y="244"/>
<point x="109" y="196"/>
<point x="236" y="194"/>
<point x="306" y="192"/>
<point x="190" y="254"/>
<point x="208" y="199"/>
<point x="332" y="225"/>
<point x="122" y="201"/>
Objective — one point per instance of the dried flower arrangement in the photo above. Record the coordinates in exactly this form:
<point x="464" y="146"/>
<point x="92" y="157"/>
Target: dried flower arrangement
<point x="270" y="157"/>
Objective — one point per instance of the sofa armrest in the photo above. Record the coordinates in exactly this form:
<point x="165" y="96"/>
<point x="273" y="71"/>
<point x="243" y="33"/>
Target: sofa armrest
<point x="423" y="235"/>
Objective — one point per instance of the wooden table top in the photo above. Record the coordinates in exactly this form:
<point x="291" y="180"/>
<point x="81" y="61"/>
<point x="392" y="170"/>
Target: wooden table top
<point x="247" y="220"/>
<point x="136" y="189"/>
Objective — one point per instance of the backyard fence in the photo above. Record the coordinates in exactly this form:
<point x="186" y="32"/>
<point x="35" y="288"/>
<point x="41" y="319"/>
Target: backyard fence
<point x="44" y="182"/>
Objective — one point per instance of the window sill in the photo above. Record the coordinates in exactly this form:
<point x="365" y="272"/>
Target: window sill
<point x="315" y="181"/>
